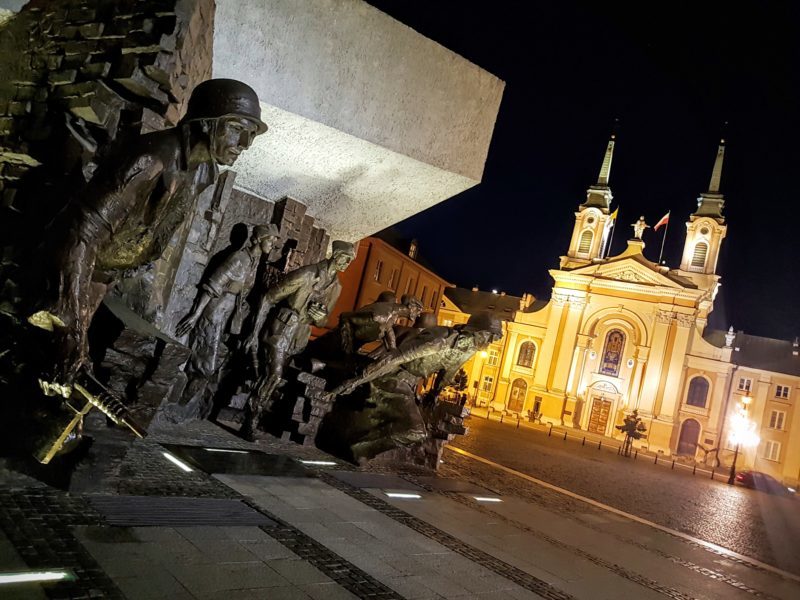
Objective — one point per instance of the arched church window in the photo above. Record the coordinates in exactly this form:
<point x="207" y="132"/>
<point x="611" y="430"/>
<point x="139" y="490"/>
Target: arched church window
<point x="699" y="256"/>
<point x="698" y="392"/>
<point x="612" y="353"/>
<point x="526" y="353"/>
<point x="585" y="244"/>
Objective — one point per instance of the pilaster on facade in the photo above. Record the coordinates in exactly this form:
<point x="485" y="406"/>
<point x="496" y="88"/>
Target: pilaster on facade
<point x="653" y="374"/>
<point x="632" y="400"/>
<point x="545" y="363"/>
<point x="676" y="369"/>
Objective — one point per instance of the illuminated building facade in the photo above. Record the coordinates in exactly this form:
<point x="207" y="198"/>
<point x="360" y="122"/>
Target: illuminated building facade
<point x="622" y="333"/>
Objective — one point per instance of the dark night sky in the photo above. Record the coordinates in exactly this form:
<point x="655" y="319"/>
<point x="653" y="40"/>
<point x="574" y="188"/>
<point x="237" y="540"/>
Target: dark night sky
<point x="672" y="73"/>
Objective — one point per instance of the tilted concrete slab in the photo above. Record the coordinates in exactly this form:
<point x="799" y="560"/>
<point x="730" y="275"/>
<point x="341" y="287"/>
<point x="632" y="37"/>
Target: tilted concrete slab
<point x="370" y="122"/>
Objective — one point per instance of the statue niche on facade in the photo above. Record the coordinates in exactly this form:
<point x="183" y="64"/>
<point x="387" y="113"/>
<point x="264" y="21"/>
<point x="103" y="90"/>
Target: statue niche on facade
<point x="219" y="309"/>
<point x="132" y="206"/>
<point x="395" y="416"/>
<point x="376" y="321"/>
<point x="282" y="325"/>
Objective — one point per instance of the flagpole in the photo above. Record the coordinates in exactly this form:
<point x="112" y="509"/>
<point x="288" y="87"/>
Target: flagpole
<point x="613" y="216"/>
<point x="611" y="238"/>
<point x="664" y="239"/>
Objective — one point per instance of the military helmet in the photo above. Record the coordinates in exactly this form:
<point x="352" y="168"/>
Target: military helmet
<point x="485" y="321"/>
<point x="263" y="231"/>
<point x="217" y="98"/>
<point x="386" y="296"/>
<point x="425" y="320"/>
<point x="411" y="301"/>
<point x="340" y="246"/>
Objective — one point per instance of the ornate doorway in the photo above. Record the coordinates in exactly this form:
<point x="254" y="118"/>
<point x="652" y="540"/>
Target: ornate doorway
<point x="516" y="400"/>
<point x="690" y="433"/>
<point x="598" y="418"/>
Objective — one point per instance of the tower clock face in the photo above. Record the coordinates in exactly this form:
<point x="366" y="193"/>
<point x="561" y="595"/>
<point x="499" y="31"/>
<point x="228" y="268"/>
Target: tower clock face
<point x="590" y="220"/>
<point x="704" y="231"/>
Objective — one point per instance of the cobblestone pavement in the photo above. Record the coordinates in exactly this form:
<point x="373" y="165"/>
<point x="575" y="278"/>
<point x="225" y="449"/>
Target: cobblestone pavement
<point x="752" y="523"/>
<point x="332" y="539"/>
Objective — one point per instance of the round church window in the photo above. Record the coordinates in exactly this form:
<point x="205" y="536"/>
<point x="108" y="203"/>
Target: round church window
<point x="704" y="231"/>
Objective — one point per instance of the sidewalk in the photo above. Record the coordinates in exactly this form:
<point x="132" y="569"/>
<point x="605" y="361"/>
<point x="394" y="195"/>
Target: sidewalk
<point x="260" y="523"/>
<point x="586" y="438"/>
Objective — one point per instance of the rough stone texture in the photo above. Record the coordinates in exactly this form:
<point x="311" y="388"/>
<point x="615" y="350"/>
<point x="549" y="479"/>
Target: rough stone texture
<point x="221" y="224"/>
<point x="370" y="122"/>
<point x="142" y="365"/>
<point x="78" y="74"/>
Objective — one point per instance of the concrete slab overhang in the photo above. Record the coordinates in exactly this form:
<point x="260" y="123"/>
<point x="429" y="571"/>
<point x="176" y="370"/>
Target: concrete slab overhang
<point x="370" y="122"/>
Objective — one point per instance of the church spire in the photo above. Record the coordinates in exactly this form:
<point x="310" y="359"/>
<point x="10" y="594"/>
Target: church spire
<point x="605" y="168"/>
<point x="711" y="203"/>
<point x="599" y="194"/>
<point x="716" y="174"/>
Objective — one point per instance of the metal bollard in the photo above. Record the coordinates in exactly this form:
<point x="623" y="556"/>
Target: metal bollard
<point x="599" y="444"/>
<point x="583" y="443"/>
<point x="517" y="421"/>
<point x="565" y="436"/>
<point x="655" y="462"/>
<point x="694" y="469"/>
<point x="673" y="465"/>
<point x="501" y="416"/>
<point x="550" y="431"/>
<point x="712" y="472"/>
<point x="636" y="455"/>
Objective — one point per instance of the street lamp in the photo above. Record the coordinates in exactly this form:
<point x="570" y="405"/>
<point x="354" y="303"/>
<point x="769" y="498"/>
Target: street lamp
<point x="483" y="355"/>
<point x="742" y="433"/>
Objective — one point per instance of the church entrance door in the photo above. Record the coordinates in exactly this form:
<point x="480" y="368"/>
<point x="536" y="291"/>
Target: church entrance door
<point x="598" y="418"/>
<point x="690" y="432"/>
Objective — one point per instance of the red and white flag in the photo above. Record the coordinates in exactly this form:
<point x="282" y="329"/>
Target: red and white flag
<point x="664" y="220"/>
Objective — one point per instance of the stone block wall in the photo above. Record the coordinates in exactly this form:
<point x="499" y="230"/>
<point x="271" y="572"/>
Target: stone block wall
<point x="222" y="223"/>
<point x="76" y="75"/>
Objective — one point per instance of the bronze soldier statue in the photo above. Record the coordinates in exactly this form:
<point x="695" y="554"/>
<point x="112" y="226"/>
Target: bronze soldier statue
<point x="132" y="206"/>
<point x="303" y="298"/>
<point x="219" y="307"/>
<point x="396" y="421"/>
<point x="376" y="321"/>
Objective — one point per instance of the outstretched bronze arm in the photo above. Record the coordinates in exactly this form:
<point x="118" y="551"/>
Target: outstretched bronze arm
<point x="388" y="364"/>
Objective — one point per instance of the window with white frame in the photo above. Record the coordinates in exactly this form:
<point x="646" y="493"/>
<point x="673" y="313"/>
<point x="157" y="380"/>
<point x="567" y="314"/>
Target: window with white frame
<point x="772" y="450"/>
<point x="393" y="280"/>
<point x="699" y="255"/>
<point x="776" y="419"/>
<point x="745" y="384"/>
<point x="410" y="285"/>
<point x="378" y="269"/>
<point x="782" y="391"/>
<point x="486" y="384"/>
<point x="527" y="351"/>
<point x="447" y="322"/>
<point x="585" y="243"/>
<point x="494" y="357"/>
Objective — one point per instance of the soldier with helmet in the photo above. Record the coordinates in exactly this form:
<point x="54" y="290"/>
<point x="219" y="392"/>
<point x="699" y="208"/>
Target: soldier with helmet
<point x="219" y="308"/>
<point x="282" y="327"/>
<point x="396" y="420"/>
<point x="132" y="206"/>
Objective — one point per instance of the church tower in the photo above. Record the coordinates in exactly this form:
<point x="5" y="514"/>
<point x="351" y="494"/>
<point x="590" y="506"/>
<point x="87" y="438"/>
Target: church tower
<point x="705" y="231"/>
<point x="592" y="221"/>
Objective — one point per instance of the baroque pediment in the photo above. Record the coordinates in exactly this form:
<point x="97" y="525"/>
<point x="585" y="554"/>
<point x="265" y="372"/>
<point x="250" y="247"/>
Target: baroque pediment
<point x="628" y="271"/>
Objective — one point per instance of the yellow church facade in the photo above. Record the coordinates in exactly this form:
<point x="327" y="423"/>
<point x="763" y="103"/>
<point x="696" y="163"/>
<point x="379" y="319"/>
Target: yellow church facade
<point x="622" y="333"/>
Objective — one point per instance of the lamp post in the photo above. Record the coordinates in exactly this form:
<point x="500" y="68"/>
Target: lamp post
<point x="483" y="355"/>
<point x="742" y="433"/>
